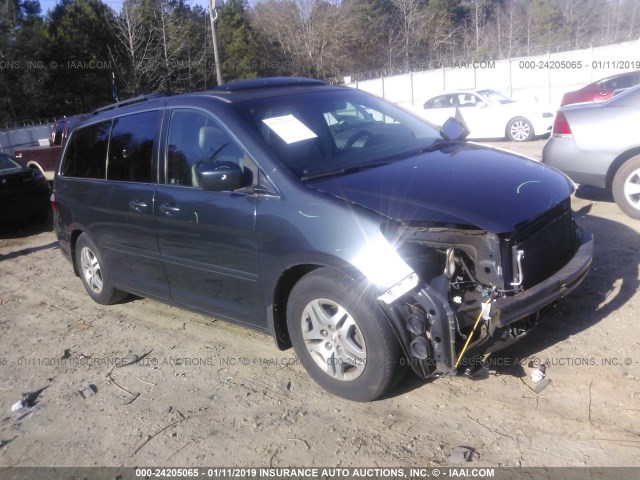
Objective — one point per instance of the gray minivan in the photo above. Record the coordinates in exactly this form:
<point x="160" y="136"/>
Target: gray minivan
<point x="337" y="222"/>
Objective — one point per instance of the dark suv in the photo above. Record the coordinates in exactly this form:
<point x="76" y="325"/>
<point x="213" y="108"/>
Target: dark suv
<point x="329" y="218"/>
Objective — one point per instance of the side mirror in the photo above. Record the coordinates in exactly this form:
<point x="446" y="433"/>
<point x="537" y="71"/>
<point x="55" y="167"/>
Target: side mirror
<point x="453" y="130"/>
<point x="481" y="104"/>
<point x="220" y="176"/>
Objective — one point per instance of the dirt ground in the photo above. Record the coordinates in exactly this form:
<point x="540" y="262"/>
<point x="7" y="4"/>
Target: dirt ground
<point x="208" y="393"/>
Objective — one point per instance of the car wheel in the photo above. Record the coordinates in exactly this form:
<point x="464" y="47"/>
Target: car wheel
<point x="341" y="336"/>
<point x="94" y="273"/>
<point x="519" y="129"/>
<point x="626" y="187"/>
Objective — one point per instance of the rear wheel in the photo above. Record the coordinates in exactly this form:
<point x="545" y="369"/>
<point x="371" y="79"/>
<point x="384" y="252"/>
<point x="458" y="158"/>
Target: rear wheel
<point x="95" y="274"/>
<point x="341" y="336"/>
<point x="626" y="187"/>
<point x="519" y="129"/>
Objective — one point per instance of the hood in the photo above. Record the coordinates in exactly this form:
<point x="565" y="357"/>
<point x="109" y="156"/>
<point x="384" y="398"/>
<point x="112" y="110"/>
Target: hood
<point x="463" y="184"/>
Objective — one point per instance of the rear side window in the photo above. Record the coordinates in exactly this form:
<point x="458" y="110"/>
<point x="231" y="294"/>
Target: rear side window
<point x="623" y="81"/>
<point x="131" y="148"/>
<point x="87" y="152"/>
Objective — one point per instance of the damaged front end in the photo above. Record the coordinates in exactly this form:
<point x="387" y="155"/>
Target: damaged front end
<point x="473" y="291"/>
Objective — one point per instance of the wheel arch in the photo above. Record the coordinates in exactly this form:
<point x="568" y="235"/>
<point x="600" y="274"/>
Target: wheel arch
<point x="281" y="293"/>
<point x="282" y="290"/>
<point x="73" y="240"/>
<point x="618" y="162"/>
<point x="34" y="164"/>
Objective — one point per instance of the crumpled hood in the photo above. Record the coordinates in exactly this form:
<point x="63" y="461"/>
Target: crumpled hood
<point x="462" y="184"/>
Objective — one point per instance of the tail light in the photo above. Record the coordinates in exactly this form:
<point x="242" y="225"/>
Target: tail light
<point x="54" y="206"/>
<point x="561" y="127"/>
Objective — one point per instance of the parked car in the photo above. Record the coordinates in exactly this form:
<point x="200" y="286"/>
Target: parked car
<point x="490" y="114"/>
<point x="337" y="222"/>
<point x="24" y="193"/>
<point x="597" y="144"/>
<point x="45" y="158"/>
<point x="603" y="89"/>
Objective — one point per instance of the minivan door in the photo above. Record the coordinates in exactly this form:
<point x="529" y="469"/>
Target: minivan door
<point x="127" y="231"/>
<point x="107" y="186"/>
<point x="207" y="239"/>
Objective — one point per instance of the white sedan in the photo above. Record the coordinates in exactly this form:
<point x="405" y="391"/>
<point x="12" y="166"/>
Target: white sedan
<point x="489" y="114"/>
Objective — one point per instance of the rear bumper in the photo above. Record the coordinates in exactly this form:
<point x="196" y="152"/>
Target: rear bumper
<point x="541" y="125"/>
<point x="582" y="166"/>
<point x="511" y="309"/>
<point x="24" y="206"/>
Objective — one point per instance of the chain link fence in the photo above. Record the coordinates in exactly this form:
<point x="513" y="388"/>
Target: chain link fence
<point x="541" y="78"/>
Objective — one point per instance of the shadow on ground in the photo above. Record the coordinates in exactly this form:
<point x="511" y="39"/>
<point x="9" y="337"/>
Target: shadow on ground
<point x="25" y="228"/>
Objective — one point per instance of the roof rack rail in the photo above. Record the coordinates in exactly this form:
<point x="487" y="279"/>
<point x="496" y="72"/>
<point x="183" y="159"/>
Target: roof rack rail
<point x="129" y="101"/>
<point x="269" y="82"/>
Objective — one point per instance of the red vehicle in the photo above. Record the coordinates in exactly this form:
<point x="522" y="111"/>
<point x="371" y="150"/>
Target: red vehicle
<point x="45" y="158"/>
<point x="602" y="89"/>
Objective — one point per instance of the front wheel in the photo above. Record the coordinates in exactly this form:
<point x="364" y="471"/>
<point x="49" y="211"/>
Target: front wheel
<point x="626" y="187"/>
<point x="341" y="336"/>
<point x="519" y="129"/>
<point x="95" y="274"/>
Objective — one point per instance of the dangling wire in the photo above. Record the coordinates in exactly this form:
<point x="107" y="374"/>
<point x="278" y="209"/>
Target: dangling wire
<point x="475" y="325"/>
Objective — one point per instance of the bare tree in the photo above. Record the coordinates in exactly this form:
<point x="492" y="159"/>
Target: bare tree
<point x="441" y="32"/>
<point x="411" y="20"/>
<point x="308" y="32"/>
<point x="135" y="38"/>
<point x="171" y="47"/>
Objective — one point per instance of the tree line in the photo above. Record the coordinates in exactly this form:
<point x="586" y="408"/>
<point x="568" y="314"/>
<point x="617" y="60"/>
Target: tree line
<point x="78" y="55"/>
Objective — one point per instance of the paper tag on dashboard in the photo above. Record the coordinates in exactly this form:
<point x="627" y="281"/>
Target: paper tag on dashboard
<point x="289" y="128"/>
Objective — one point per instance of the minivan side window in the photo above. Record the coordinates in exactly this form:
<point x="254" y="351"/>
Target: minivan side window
<point x="86" y="154"/>
<point x="131" y="147"/>
<point x="195" y="138"/>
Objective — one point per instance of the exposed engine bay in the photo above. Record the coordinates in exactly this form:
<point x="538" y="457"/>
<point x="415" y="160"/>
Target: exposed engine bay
<point x="468" y="276"/>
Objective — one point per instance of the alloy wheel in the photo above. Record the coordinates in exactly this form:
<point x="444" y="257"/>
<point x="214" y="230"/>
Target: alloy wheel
<point x="91" y="269"/>
<point x="333" y="339"/>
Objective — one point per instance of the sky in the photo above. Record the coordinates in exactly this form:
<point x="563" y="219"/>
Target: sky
<point x="115" y="4"/>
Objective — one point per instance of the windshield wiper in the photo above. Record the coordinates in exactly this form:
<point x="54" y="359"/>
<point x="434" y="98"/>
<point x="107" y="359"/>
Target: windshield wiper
<point x="437" y="145"/>
<point x="345" y="170"/>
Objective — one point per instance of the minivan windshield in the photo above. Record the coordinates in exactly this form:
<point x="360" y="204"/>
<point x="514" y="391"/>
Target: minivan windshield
<point x="335" y="132"/>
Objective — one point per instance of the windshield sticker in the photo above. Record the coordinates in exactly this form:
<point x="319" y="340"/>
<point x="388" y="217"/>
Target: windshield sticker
<point x="289" y="128"/>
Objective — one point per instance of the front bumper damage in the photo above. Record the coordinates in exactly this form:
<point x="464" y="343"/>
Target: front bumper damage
<point x="428" y="330"/>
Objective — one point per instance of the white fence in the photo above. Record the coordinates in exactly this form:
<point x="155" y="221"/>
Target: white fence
<point x="543" y="78"/>
<point x="23" y="137"/>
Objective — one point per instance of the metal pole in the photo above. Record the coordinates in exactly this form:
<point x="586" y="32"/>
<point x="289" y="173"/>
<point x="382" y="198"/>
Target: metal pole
<point x="213" y="16"/>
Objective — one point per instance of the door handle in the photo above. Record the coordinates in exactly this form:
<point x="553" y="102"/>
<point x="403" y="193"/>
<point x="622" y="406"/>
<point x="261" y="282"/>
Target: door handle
<point x="138" y="205"/>
<point x="169" y="209"/>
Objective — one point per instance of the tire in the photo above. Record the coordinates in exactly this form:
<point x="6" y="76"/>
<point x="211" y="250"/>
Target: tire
<point x="626" y="187"/>
<point x="95" y="274"/>
<point x="519" y="129"/>
<point x="336" y="329"/>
